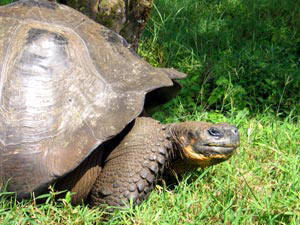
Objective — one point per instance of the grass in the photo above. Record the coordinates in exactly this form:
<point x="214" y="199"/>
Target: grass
<point x="242" y="58"/>
<point x="238" y="54"/>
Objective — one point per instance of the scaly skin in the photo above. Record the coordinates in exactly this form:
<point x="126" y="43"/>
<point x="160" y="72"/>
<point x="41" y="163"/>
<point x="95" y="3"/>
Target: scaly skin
<point x="132" y="169"/>
<point x="134" y="166"/>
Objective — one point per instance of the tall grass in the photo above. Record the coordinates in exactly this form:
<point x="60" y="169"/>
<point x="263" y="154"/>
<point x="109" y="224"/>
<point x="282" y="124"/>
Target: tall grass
<point x="240" y="55"/>
<point x="242" y="58"/>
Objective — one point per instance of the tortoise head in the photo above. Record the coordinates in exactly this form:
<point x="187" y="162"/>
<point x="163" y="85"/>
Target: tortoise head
<point x="204" y="144"/>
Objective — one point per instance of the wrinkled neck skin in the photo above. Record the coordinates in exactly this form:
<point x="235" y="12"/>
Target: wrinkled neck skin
<point x="177" y="162"/>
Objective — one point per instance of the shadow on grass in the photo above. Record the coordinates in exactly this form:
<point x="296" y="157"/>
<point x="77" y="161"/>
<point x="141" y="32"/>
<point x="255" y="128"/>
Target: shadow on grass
<point x="238" y="54"/>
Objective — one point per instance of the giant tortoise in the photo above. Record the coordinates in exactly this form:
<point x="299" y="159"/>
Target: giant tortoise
<point x="72" y="94"/>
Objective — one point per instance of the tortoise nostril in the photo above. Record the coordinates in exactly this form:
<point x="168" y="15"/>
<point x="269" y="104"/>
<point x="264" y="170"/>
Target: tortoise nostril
<point x="215" y="132"/>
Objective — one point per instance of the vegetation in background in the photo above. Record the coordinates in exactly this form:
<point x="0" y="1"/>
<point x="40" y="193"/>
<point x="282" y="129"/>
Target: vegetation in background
<point x="242" y="58"/>
<point x="239" y="54"/>
<point x="4" y="2"/>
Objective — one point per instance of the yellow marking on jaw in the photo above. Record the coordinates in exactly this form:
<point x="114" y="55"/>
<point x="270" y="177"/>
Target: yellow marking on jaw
<point x="200" y="159"/>
<point x="189" y="152"/>
<point x="220" y="156"/>
<point x="182" y="139"/>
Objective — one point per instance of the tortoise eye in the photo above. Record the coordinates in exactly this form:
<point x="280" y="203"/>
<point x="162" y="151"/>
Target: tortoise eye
<point x="215" y="132"/>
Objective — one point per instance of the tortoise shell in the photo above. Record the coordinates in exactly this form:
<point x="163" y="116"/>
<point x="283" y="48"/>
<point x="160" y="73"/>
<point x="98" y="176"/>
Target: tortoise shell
<point x="67" y="84"/>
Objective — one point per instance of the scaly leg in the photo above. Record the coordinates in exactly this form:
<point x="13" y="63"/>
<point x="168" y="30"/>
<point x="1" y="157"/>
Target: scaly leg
<point x="133" y="167"/>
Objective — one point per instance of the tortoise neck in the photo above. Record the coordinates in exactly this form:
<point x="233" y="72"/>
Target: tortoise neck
<point x="175" y="153"/>
<point x="177" y="162"/>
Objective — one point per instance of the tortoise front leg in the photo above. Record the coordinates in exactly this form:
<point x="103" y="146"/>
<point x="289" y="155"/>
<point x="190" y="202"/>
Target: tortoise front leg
<point x="133" y="167"/>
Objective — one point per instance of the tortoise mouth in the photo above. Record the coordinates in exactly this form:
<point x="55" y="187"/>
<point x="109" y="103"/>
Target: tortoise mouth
<point x="208" y="155"/>
<point x="214" y="149"/>
<point x="207" y="152"/>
